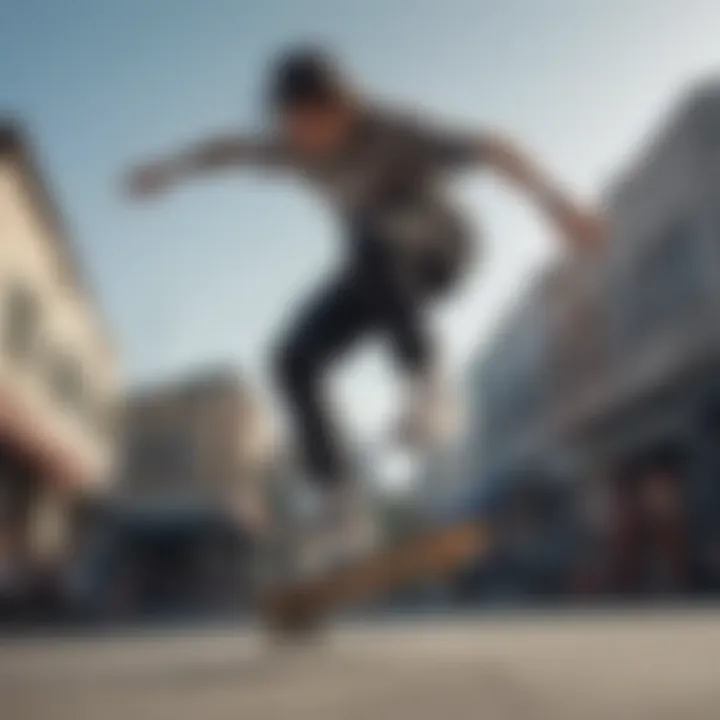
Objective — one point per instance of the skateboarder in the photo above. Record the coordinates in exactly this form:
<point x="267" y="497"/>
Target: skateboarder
<point x="384" y="171"/>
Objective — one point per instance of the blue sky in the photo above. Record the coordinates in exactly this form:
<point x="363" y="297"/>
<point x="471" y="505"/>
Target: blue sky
<point x="209" y="273"/>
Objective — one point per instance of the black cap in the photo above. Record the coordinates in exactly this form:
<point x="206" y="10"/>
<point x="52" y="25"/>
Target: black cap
<point x="302" y="76"/>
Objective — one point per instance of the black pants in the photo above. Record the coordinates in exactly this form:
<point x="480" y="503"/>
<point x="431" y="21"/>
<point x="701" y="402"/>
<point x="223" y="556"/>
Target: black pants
<point x="380" y="292"/>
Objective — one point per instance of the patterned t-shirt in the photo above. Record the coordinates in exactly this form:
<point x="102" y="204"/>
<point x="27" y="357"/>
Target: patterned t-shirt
<point x="391" y="177"/>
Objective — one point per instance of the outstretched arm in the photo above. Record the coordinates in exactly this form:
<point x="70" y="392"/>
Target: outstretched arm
<point x="219" y="153"/>
<point x="581" y="226"/>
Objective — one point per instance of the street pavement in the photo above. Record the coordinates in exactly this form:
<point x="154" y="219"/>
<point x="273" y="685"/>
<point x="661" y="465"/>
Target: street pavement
<point x="663" y="665"/>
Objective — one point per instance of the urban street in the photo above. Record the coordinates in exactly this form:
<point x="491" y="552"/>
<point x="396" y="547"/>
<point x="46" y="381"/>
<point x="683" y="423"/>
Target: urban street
<point x="656" y="664"/>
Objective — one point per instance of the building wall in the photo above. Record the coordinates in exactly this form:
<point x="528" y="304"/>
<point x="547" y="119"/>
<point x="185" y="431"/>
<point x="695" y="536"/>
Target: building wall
<point x="513" y="382"/>
<point x="58" y="372"/>
<point x="667" y="250"/>
<point x="204" y="441"/>
<point x="622" y="326"/>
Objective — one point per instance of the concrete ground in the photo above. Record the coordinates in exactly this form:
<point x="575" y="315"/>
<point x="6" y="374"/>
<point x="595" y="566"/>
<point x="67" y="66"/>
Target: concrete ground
<point x="660" y="665"/>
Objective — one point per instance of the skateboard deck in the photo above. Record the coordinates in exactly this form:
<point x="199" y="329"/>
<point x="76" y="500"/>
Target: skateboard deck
<point x="302" y="606"/>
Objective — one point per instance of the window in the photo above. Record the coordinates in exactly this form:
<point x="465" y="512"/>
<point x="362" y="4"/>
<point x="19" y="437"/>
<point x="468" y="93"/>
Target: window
<point x="22" y="319"/>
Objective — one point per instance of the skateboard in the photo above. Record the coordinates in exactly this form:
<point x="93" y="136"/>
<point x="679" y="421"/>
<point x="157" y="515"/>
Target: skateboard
<point x="302" y="607"/>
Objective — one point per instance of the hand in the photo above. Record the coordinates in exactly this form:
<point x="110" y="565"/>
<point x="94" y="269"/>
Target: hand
<point x="146" y="181"/>
<point x="584" y="228"/>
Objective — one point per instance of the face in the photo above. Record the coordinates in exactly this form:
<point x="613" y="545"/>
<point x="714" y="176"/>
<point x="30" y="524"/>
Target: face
<point x="315" y="130"/>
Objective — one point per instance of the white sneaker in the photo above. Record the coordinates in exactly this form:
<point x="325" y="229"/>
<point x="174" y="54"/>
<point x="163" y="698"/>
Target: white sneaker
<point x="432" y="418"/>
<point x="296" y="509"/>
<point x="332" y="528"/>
<point x="353" y="530"/>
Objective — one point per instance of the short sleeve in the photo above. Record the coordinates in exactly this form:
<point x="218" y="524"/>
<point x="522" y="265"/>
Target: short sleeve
<point x="446" y="147"/>
<point x="453" y="148"/>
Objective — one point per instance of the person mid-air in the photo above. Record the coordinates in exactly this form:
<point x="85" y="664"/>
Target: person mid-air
<point x="385" y="173"/>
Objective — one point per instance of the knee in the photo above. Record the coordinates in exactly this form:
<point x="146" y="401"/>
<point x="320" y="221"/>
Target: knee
<point x="414" y="348"/>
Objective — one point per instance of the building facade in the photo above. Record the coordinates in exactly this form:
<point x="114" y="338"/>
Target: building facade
<point x="190" y="493"/>
<point x="630" y="366"/>
<point x="618" y="327"/>
<point x="202" y="440"/>
<point x="59" y="386"/>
